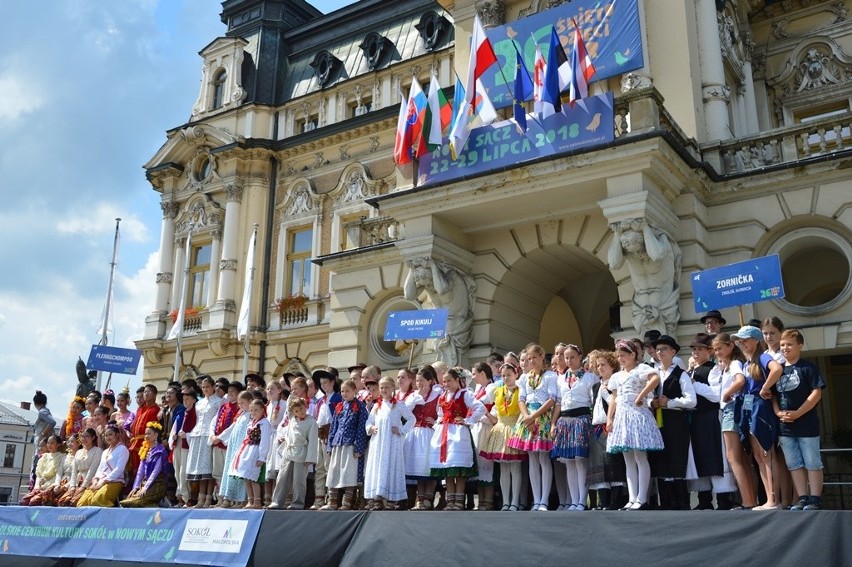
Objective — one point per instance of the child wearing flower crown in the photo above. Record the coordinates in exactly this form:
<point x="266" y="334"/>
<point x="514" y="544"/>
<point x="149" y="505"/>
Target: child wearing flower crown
<point x="249" y="464"/>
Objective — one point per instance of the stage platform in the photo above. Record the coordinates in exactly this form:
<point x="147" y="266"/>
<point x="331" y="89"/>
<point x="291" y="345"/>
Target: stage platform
<point x="431" y="539"/>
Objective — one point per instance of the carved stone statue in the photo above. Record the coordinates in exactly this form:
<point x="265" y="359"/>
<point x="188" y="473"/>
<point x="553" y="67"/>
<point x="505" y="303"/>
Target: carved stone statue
<point x="447" y="287"/>
<point x="654" y="262"/>
<point x="86" y="380"/>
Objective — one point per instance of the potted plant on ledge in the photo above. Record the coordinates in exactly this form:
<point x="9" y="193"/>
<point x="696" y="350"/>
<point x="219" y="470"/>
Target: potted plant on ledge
<point x="291" y="309"/>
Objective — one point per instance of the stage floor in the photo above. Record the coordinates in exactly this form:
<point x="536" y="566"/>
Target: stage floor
<point x="431" y="539"/>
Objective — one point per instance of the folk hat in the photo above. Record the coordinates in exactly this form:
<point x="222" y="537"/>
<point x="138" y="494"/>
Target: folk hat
<point x="702" y="340"/>
<point x="714" y="314"/>
<point x="666" y="340"/>
<point x="357" y="366"/>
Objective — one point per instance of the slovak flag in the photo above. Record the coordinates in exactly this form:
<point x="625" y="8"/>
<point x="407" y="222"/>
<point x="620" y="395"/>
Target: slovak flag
<point x="582" y="68"/>
<point x="415" y="111"/>
<point x="538" y="80"/>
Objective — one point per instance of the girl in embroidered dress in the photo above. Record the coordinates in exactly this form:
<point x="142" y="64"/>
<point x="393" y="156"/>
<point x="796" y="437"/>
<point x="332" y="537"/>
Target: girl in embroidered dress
<point x="232" y="491"/>
<point x="606" y="471"/>
<point x="532" y="433"/>
<point x="630" y="424"/>
<point x="276" y="409"/>
<point x="451" y="449"/>
<point x="109" y="478"/>
<point x="417" y="442"/>
<point x="572" y="425"/>
<point x="503" y="417"/>
<point x="484" y="392"/>
<point x="384" y="475"/>
<point x="251" y="455"/>
<point x="347" y="439"/>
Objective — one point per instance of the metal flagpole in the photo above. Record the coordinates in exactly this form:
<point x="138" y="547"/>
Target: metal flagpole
<point x="182" y="308"/>
<point x="244" y="326"/>
<point x="105" y="326"/>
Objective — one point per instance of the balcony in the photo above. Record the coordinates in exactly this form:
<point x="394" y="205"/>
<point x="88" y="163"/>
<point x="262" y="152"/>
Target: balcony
<point x="372" y="231"/>
<point x="296" y="314"/>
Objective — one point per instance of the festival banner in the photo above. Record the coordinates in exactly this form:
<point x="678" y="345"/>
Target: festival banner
<point x="758" y="279"/>
<point x="502" y="144"/>
<point x="416" y="324"/>
<point x="610" y="30"/>
<point x="203" y="537"/>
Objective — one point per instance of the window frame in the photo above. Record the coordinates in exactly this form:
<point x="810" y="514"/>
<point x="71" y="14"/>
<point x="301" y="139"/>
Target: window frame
<point x="194" y="269"/>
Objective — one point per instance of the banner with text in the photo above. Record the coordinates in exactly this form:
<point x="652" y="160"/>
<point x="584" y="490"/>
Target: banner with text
<point x="113" y="359"/>
<point x="416" y="324"/>
<point x="758" y="279"/>
<point x="146" y="535"/>
<point x="502" y="144"/>
<point x="610" y="30"/>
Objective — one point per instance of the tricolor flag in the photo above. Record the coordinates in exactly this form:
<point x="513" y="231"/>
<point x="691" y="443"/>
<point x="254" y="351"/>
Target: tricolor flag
<point x="482" y="56"/>
<point x="523" y="90"/>
<point x="414" y="118"/>
<point x="555" y="76"/>
<point x="538" y="80"/>
<point x="400" y="157"/>
<point x="437" y="118"/>
<point x="482" y="105"/>
<point x="582" y="68"/>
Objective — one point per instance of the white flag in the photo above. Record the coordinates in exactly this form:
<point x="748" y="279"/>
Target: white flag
<point x="177" y="328"/>
<point x="243" y="323"/>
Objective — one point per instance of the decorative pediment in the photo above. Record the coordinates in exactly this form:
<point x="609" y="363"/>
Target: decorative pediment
<point x="201" y="213"/>
<point x="354" y="186"/>
<point x="183" y="145"/>
<point x="221" y="76"/>
<point x="816" y="64"/>
<point x="300" y="201"/>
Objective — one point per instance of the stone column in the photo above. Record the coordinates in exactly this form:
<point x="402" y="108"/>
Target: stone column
<point x="228" y="264"/>
<point x="215" y="252"/>
<point x="715" y="92"/>
<point x="165" y="276"/>
<point x="748" y="81"/>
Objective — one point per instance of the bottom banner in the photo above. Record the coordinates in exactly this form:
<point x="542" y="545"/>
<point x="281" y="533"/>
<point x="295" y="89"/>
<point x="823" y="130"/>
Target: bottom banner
<point x="206" y="537"/>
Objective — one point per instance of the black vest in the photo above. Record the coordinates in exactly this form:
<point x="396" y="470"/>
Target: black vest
<point x="671" y="387"/>
<point x="702" y="374"/>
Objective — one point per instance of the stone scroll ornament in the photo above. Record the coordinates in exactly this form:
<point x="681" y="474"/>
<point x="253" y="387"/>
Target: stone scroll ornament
<point x="450" y="288"/>
<point x="654" y="261"/>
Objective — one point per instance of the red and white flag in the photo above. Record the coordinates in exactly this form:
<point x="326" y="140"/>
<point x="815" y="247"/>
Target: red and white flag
<point x="538" y="79"/>
<point x="582" y="68"/>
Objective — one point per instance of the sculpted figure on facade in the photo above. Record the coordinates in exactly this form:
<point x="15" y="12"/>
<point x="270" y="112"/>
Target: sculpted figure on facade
<point x="654" y="262"/>
<point x="447" y="287"/>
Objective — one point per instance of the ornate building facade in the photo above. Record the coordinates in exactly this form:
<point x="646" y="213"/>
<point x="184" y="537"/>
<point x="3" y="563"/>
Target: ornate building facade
<point x="732" y="141"/>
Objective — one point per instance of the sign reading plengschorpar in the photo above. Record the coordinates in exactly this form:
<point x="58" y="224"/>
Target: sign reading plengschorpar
<point x="758" y="279"/>
<point x="113" y="359"/>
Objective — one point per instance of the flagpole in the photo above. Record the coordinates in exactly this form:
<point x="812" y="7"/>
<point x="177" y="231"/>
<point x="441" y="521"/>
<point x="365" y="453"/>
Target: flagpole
<point x="246" y="347"/>
<point x="182" y="307"/>
<point x="105" y="326"/>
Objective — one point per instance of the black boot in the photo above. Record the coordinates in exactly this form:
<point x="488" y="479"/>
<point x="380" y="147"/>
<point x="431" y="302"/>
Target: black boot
<point x="664" y="491"/>
<point x="680" y="494"/>
<point x="616" y="498"/>
<point x="603" y="499"/>
<point x="705" y="500"/>
<point x="724" y="500"/>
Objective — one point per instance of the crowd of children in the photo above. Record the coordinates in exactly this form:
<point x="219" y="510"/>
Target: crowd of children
<point x="633" y="428"/>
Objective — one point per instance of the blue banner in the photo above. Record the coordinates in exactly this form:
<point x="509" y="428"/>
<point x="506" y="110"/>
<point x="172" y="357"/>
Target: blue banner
<point x="610" y="30"/>
<point x="758" y="279"/>
<point x="206" y="537"/>
<point x="113" y="359"/>
<point x="416" y="324"/>
<point x="502" y="144"/>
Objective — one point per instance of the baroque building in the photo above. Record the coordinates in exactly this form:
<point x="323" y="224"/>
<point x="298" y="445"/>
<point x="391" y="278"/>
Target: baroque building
<point x="730" y="140"/>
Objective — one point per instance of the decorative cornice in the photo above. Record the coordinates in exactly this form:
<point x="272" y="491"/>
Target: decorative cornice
<point x="164" y="277"/>
<point x="170" y="209"/>
<point x="228" y="265"/>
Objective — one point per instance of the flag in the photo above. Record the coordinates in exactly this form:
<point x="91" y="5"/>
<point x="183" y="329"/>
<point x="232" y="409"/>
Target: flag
<point x="482" y="56"/>
<point x="458" y="126"/>
<point x="582" y="68"/>
<point x="177" y="328"/>
<point x="523" y="90"/>
<point x="538" y="80"/>
<point x="482" y="106"/>
<point x="243" y="321"/>
<point x="438" y="106"/>
<point x="414" y="119"/>
<point x="400" y="157"/>
<point x="553" y="81"/>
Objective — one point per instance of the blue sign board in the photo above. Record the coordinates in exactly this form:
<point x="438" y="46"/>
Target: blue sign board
<point x="502" y="144"/>
<point x="113" y="359"/>
<point x="758" y="279"/>
<point x="610" y="30"/>
<point x="416" y="324"/>
<point x="145" y="535"/>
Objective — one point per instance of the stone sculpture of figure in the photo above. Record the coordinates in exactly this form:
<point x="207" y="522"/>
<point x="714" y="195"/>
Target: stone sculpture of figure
<point x="86" y="380"/>
<point x="654" y="262"/>
<point x="448" y="288"/>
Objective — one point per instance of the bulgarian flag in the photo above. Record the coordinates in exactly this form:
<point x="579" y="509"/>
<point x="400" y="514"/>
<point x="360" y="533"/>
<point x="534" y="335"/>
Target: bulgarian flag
<point x="439" y="113"/>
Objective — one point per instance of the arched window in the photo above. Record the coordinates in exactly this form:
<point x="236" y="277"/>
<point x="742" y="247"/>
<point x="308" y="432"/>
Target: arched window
<point x="219" y="88"/>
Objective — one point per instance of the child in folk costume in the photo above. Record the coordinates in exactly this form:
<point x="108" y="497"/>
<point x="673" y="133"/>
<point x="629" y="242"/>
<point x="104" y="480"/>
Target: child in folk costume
<point x="232" y="490"/>
<point x="630" y="424"/>
<point x="330" y="386"/>
<point x="388" y="423"/>
<point x="347" y="439"/>
<point x="572" y="425"/>
<point x="418" y="439"/>
<point x="251" y="457"/>
<point x="606" y="471"/>
<point x="276" y="409"/>
<point x="484" y="392"/>
<point x="297" y="451"/>
<point x="149" y="486"/>
<point x="532" y="433"/>
<point x="451" y="450"/>
<point x="503" y="417"/>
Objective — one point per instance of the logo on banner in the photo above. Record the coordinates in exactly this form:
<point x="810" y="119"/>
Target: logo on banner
<point x="217" y="536"/>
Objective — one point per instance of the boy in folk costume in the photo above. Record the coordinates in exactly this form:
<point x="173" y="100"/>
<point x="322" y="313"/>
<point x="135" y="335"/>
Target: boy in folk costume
<point x="347" y="439"/>
<point x="297" y="451"/>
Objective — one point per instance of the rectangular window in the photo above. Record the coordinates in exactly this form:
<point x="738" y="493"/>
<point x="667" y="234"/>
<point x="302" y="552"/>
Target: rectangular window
<point x="307" y="124"/>
<point x="300" y="243"/>
<point x="9" y="458"/>
<point x="358" y="110"/>
<point x="199" y="275"/>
